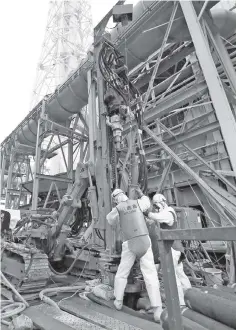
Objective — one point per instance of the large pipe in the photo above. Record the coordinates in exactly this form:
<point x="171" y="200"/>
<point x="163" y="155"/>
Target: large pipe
<point x="187" y="323"/>
<point x="219" y="293"/>
<point x="219" y="309"/>
<point x="72" y="96"/>
<point x="203" y="320"/>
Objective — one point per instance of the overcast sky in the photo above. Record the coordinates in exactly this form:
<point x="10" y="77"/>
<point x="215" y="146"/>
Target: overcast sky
<point x="22" y="26"/>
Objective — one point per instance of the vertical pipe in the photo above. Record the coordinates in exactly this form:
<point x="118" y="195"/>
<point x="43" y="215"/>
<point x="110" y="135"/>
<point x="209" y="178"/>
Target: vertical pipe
<point x="91" y="111"/>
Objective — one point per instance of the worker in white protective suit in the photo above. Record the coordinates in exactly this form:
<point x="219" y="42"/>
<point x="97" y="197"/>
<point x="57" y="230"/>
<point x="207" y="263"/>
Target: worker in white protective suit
<point x="136" y="244"/>
<point x="167" y="219"/>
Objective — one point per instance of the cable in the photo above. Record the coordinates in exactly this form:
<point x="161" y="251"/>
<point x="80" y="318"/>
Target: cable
<point x="75" y="282"/>
<point x="72" y="265"/>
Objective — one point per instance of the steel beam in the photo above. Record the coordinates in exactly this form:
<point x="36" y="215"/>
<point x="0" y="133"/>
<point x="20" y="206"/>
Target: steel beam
<point x="221" y="51"/>
<point x="151" y="82"/>
<point x="177" y="99"/>
<point x="188" y="170"/>
<point x="196" y="155"/>
<point x="216" y="90"/>
<point x="209" y="128"/>
<point x="166" y="64"/>
<point x="203" y="234"/>
<point x="52" y="178"/>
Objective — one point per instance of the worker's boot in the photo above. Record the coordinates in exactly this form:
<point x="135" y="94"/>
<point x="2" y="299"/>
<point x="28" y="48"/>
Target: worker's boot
<point x="118" y="304"/>
<point x="157" y="313"/>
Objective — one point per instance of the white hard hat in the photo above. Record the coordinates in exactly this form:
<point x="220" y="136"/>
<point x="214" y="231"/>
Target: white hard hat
<point x="158" y="198"/>
<point x="116" y="192"/>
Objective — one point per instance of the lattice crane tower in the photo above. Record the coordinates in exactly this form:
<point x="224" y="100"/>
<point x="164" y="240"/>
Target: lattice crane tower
<point x="67" y="38"/>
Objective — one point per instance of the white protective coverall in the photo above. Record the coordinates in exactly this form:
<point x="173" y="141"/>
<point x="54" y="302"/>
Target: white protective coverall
<point x="136" y="247"/>
<point x="166" y="216"/>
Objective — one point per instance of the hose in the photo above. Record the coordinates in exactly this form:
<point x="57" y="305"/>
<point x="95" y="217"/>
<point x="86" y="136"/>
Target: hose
<point x="72" y="265"/>
<point x="14" y="290"/>
<point x="15" y="307"/>
<point x="49" y="301"/>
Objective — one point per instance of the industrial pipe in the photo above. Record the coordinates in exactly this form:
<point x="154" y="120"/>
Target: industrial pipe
<point x="187" y="323"/>
<point x="203" y="320"/>
<point x="217" y="308"/>
<point x="219" y="293"/>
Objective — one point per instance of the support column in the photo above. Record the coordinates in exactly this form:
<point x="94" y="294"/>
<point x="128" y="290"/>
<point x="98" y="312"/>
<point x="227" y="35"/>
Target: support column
<point x="91" y="111"/>
<point x="216" y="90"/>
<point x="27" y="178"/>
<point x="70" y="162"/>
<point x="9" y="180"/>
<point x="37" y="160"/>
<point x="171" y="292"/>
<point x="3" y="167"/>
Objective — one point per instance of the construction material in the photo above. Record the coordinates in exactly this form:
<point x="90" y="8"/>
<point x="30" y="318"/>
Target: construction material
<point x="125" y="309"/>
<point x="45" y="321"/>
<point x="108" y="318"/>
<point x="187" y="323"/>
<point x="219" y="309"/>
<point x="203" y="320"/>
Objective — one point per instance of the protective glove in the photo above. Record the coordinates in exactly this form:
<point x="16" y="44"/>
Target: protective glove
<point x="139" y="192"/>
<point x="147" y="211"/>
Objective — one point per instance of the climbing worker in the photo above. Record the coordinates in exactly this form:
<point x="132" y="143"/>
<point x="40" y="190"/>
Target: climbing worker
<point x="167" y="219"/>
<point x="136" y="244"/>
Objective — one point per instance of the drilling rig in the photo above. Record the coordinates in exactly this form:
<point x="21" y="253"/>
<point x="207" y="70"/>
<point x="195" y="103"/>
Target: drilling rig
<point x="144" y="108"/>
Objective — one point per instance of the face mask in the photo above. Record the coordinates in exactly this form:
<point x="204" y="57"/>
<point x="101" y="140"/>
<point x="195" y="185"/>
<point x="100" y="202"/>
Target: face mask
<point x="156" y="207"/>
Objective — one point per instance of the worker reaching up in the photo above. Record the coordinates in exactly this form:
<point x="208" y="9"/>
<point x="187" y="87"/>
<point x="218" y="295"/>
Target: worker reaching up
<point x="136" y="244"/>
<point x="167" y="218"/>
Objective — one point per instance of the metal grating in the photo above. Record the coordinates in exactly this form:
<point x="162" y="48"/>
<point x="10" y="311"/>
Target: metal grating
<point x="66" y="318"/>
<point x="96" y="317"/>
